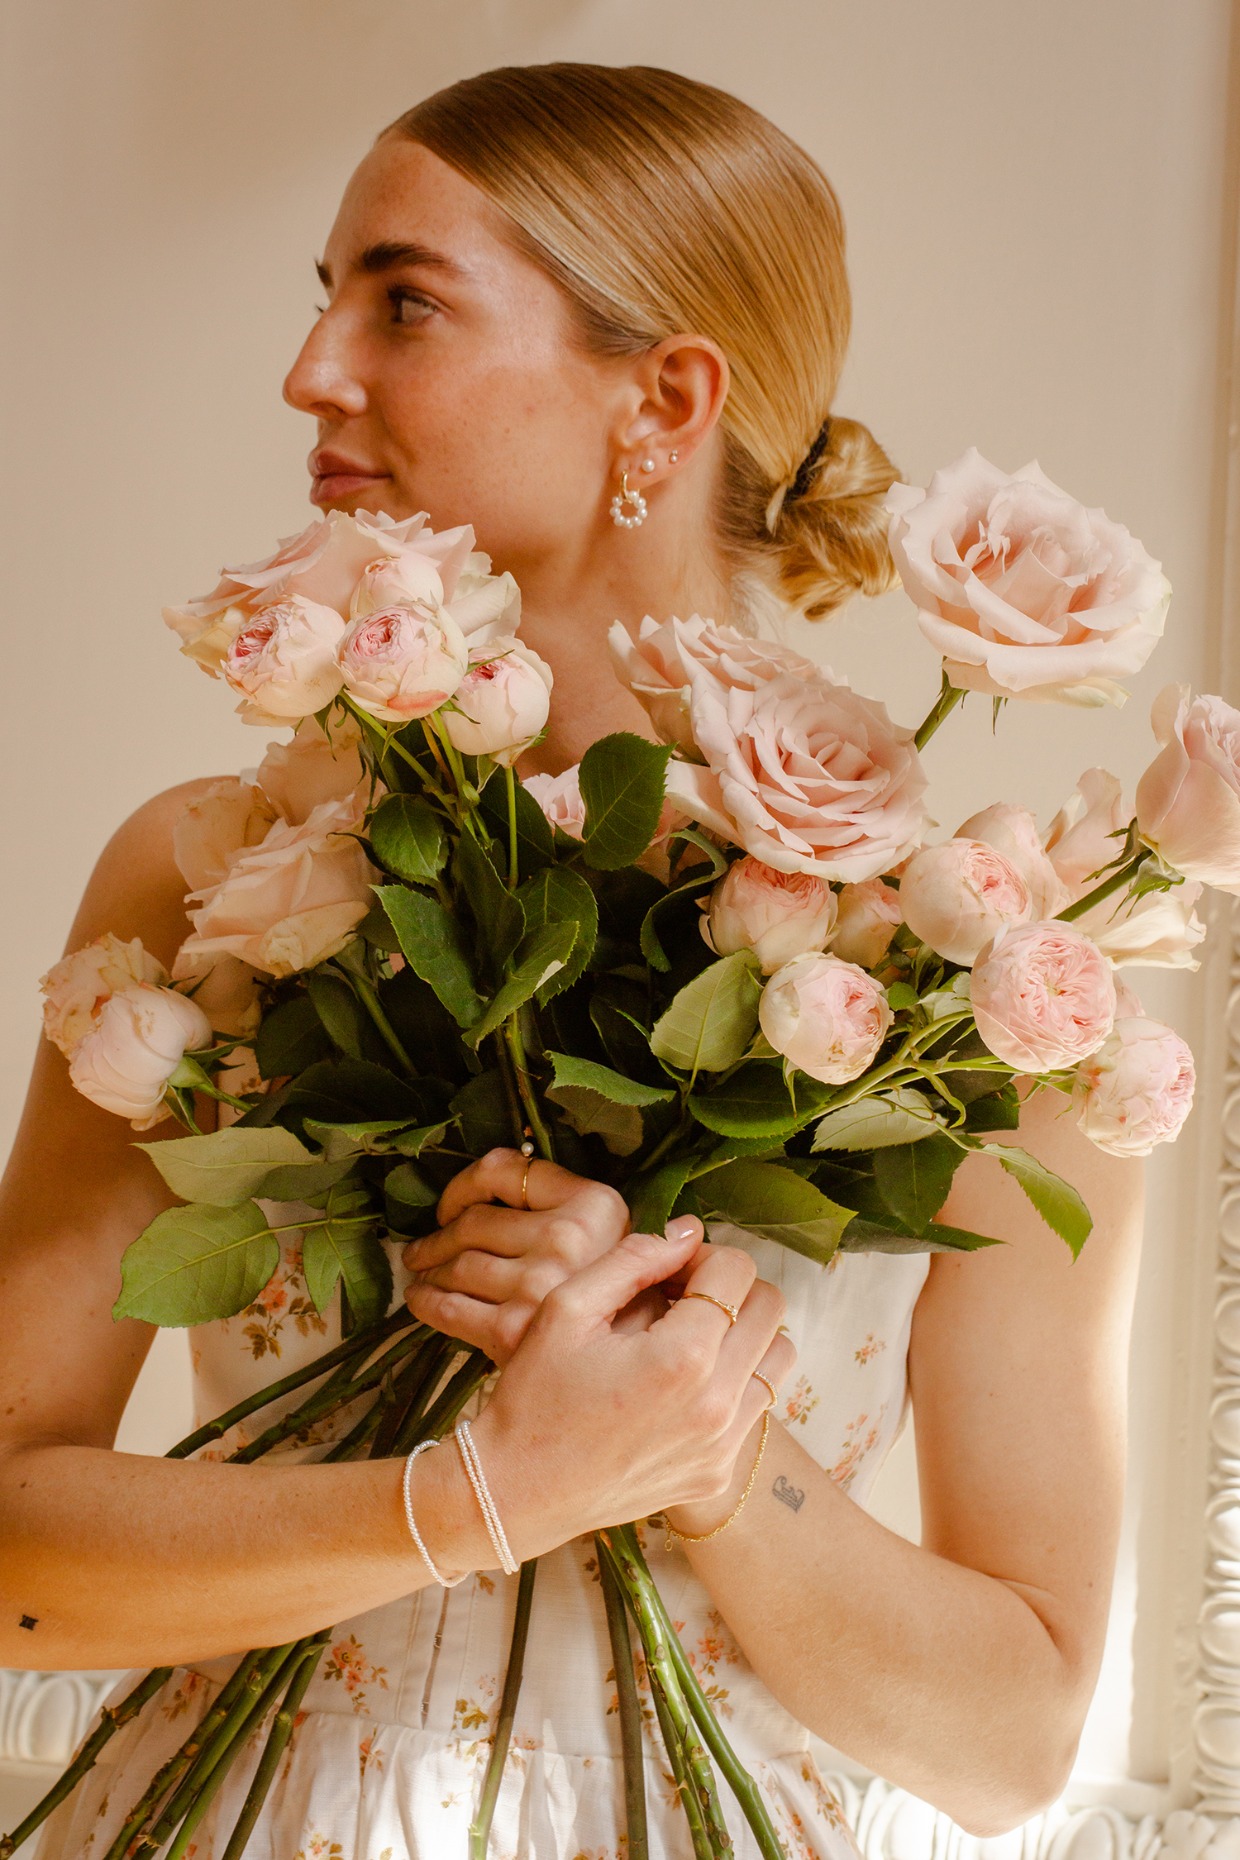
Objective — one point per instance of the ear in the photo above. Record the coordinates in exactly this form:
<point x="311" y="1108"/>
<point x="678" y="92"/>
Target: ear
<point x="679" y="387"/>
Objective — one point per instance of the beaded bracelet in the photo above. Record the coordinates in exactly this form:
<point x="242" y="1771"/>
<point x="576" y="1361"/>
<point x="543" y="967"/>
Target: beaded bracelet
<point x="473" y="1470"/>
<point x="446" y="1582"/>
<point x="687" y="1537"/>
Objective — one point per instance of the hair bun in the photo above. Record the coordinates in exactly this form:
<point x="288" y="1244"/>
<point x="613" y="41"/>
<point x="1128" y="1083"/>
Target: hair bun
<point x="831" y="541"/>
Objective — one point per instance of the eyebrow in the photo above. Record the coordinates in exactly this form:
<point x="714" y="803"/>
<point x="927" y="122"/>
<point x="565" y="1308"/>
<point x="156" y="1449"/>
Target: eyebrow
<point x="390" y="255"/>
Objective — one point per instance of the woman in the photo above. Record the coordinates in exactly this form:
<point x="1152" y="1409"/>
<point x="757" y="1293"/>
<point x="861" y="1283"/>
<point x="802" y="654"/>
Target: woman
<point x="537" y="281"/>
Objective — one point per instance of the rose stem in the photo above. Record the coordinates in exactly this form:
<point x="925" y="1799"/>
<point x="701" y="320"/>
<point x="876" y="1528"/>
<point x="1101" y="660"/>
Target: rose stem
<point x="946" y="702"/>
<point x="444" y="1411"/>
<point x="627" y="1709"/>
<point x="480" y="1826"/>
<point x="324" y="1403"/>
<point x="533" y="1112"/>
<point x="739" y="1780"/>
<point x="514" y="862"/>
<point x="273" y="1750"/>
<point x="429" y="1366"/>
<point x="1107" y="886"/>
<point x="703" y="1847"/>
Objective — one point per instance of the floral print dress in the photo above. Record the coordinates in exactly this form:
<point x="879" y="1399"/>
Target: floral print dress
<point x="387" y="1756"/>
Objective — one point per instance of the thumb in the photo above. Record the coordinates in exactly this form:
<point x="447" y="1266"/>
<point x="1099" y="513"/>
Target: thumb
<point x="601" y="1289"/>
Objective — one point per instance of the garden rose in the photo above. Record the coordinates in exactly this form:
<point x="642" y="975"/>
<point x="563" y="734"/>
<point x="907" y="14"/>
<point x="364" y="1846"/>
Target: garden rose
<point x="1024" y="591"/>
<point x="1013" y="831"/>
<point x="867" y="917"/>
<point x="661" y="666"/>
<point x="283" y="663"/>
<point x="559" y="796"/>
<point x="228" y="991"/>
<point x="1043" y="996"/>
<point x="1088" y="831"/>
<point x="1188" y="800"/>
<point x="804" y="774"/>
<point x="778" y="915"/>
<point x="827" y="1017"/>
<point x="212" y="829"/>
<point x="486" y="607"/>
<point x="500" y="705"/>
<point x="137" y="1041"/>
<point x="76" y="987"/>
<point x="289" y="903"/>
<point x="403" y="662"/>
<point x="312" y="767"/>
<point x="956" y="896"/>
<point x="1137" y="1089"/>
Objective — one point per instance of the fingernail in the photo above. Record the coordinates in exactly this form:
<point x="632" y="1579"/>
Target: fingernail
<point x="681" y="1227"/>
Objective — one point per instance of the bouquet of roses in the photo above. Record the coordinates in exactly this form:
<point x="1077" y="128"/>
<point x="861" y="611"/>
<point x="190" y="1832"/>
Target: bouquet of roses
<point x="724" y="971"/>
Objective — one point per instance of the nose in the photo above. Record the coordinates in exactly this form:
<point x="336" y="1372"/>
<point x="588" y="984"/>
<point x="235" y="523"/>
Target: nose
<point x="322" y="380"/>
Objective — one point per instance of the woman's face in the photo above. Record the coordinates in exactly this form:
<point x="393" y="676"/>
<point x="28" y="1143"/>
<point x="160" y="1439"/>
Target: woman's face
<point x="443" y="374"/>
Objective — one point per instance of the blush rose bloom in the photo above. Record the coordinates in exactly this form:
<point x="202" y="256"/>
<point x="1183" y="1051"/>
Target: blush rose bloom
<point x="1137" y="1090"/>
<point x="1024" y="591"/>
<point x="76" y="987"/>
<point x="778" y="915"/>
<point x="805" y="775"/>
<point x="311" y="767"/>
<point x="559" y="796"/>
<point x="403" y="662"/>
<point x="211" y="829"/>
<point x="289" y="903"/>
<point x="1013" y="831"/>
<point x="500" y="705"/>
<point x="867" y="917"/>
<point x="283" y="663"/>
<point x="137" y="1041"/>
<point x="666" y="660"/>
<point x="1043" y="996"/>
<point x="1188" y="800"/>
<point x="827" y="1017"/>
<point x="957" y="896"/>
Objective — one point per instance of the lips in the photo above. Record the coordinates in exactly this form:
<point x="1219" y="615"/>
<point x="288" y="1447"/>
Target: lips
<point x="335" y="475"/>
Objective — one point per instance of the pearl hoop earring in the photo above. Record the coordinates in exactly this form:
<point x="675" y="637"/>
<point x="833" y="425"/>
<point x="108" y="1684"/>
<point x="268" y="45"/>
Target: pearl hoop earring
<point x="628" y="519"/>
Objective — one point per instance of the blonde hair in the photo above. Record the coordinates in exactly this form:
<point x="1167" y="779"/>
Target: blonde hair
<point x="662" y="205"/>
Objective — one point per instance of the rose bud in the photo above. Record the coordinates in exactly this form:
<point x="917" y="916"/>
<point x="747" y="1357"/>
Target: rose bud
<point x="778" y="915"/>
<point x="956" y="896"/>
<point x="500" y="705"/>
<point x="77" y="986"/>
<point x="284" y="662"/>
<point x="1188" y="800"/>
<point x="827" y="1017"/>
<point x="867" y="917"/>
<point x="1043" y="996"/>
<point x="138" y="1040"/>
<point x="559" y="796"/>
<point x="1137" y="1089"/>
<point x="403" y="662"/>
<point x="396" y="581"/>
<point x="1013" y="831"/>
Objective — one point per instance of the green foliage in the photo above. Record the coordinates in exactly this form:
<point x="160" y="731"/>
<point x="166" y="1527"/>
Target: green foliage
<point x="347" y="1246"/>
<point x="498" y="916"/>
<point x="225" y="1166"/>
<point x="771" y="1200"/>
<point x="913" y="1178"/>
<point x="290" y="1038"/>
<point x="408" y="838"/>
<point x="197" y="1263"/>
<point x="535" y="840"/>
<point x="343" y="1017"/>
<point x="862" y="1236"/>
<point x="1059" y="1204"/>
<point x="756" y="1101"/>
<point x="623" y="778"/>
<point x="542" y="954"/>
<point x="432" y="945"/>
<point x="652" y="1198"/>
<point x="484" y="1113"/>
<point x="599" y="1102"/>
<point x="557" y="896"/>
<point x="712" y="1020"/>
<point x="898" y="1116"/>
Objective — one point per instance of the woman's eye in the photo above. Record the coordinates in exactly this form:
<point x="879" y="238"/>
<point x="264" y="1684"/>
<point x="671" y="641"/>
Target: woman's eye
<point x="400" y="296"/>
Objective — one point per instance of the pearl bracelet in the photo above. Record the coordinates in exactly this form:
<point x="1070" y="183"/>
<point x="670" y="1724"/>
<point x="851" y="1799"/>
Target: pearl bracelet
<point x="473" y="1469"/>
<point x="444" y="1581"/>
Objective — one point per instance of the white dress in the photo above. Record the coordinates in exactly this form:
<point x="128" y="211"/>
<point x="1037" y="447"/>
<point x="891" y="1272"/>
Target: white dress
<point x="390" y="1746"/>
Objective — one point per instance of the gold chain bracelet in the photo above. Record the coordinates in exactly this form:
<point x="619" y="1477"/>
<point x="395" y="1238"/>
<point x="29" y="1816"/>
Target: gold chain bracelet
<point x="687" y="1537"/>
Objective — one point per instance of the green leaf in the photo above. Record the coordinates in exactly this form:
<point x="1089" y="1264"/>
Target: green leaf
<point x="770" y="1200"/>
<point x="347" y="1091"/>
<point x="598" y="1102"/>
<point x="408" y="838"/>
<point x="367" y="1136"/>
<point x="674" y="908"/>
<point x="901" y="995"/>
<point x="482" y="1111"/>
<point x="424" y="1137"/>
<point x="898" y="1116"/>
<point x="556" y="895"/>
<point x="651" y="1198"/>
<point x="622" y="784"/>
<point x="347" y="1247"/>
<point x="861" y="1236"/>
<point x="994" y="1110"/>
<point x="290" y="1038"/>
<point x="410" y="1200"/>
<point x="1059" y="1204"/>
<point x="614" y="1086"/>
<point x="497" y="914"/>
<point x="225" y="1166"/>
<point x="195" y="1264"/>
<point x="540" y="956"/>
<point x="535" y="840"/>
<point x="712" y="1020"/>
<point x="302" y="1181"/>
<point x="913" y="1178"/>
<point x="694" y="836"/>
<point x="431" y="944"/>
<point x="342" y="1014"/>
<point x="756" y="1102"/>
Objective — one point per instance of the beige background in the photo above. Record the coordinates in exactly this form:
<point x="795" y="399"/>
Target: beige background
<point x="1035" y="204"/>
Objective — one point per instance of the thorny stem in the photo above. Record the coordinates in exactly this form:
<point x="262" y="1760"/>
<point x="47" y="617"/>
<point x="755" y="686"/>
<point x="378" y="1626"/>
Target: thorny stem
<point x="273" y="1750"/>
<point x="627" y="1709"/>
<point x="1108" y="885"/>
<point x="480" y="1826"/>
<point x="946" y="702"/>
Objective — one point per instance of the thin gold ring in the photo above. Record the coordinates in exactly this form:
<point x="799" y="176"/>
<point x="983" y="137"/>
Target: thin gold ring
<point x="767" y="1385"/>
<point x="525" y="1199"/>
<point x="731" y="1310"/>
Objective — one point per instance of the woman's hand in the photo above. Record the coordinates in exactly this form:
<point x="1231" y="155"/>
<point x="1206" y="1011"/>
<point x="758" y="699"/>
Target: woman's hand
<point x="510" y="1233"/>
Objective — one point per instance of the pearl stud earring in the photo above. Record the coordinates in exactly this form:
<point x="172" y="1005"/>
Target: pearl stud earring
<point x="672" y="457"/>
<point x="627" y="519"/>
<point x="647" y="464"/>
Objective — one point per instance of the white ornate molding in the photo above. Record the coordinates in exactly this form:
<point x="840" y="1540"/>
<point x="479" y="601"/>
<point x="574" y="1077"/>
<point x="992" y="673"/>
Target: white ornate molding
<point x="44" y="1716"/>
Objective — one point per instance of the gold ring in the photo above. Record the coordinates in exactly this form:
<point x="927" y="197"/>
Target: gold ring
<point x="731" y="1310"/>
<point x="525" y="1199"/>
<point x="767" y="1385"/>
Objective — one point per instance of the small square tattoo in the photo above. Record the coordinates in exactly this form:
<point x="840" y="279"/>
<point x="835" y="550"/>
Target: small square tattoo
<point x="29" y="1621"/>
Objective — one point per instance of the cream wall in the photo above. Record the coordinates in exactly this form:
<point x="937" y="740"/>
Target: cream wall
<point x="1034" y="199"/>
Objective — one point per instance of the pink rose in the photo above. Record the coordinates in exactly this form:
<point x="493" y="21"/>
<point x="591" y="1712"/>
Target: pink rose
<point x="778" y="915"/>
<point x="500" y="705"/>
<point x="1188" y="800"/>
<point x="403" y="662"/>
<point x="828" y="1018"/>
<point x="1088" y="831"/>
<point x="1013" y="831"/>
<point x="76" y="987"/>
<point x="867" y="917"/>
<point x="804" y="774"/>
<point x="1025" y="592"/>
<point x="211" y="830"/>
<point x="283" y="662"/>
<point x="137" y="1041"/>
<point x="957" y="896"/>
<point x="486" y="607"/>
<point x="1137" y="1089"/>
<point x="228" y="991"/>
<point x="1043" y="996"/>
<point x="662" y="665"/>
<point x="559" y="796"/>
<point x="289" y="903"/>
<point x="312" y="767"/>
